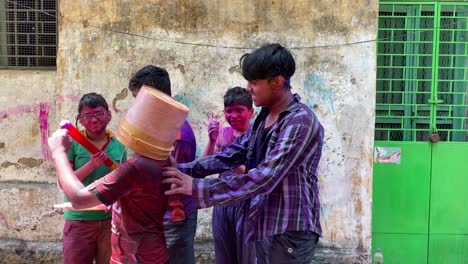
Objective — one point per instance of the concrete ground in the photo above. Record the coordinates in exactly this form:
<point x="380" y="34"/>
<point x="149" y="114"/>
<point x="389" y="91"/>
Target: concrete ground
<point x="23" y="252"/>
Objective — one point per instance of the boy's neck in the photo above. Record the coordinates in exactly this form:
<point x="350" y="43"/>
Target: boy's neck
<point x="237" y="133"/>
<point x="98" y="139"/>
<point x="280" y="105"/>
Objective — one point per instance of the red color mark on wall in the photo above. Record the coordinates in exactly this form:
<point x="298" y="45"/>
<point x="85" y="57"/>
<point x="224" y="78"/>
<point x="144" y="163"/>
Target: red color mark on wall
<point x="44" y="129"/>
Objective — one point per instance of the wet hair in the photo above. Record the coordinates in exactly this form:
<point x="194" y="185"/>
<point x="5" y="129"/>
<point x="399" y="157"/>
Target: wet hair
<point x="238" y="95"/>
<point x="92" y="100"/>
<point x="267" y="62"/>
<point x="153" y="76"/>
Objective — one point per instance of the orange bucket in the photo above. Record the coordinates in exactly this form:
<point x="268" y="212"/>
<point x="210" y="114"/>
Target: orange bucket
<point x="151" y="124"/>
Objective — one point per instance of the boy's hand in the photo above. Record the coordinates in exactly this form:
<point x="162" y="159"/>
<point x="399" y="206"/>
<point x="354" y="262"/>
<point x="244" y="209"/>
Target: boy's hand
<point x="172" y="162"/>
<point x="213" y="130"/>
<point x="99" y="158"/>
<point x="59" y="141"/>
<point x="181" y="183"/>
<point x="240" y="169"/>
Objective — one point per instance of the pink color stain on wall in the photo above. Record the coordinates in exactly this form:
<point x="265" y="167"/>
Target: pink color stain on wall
<point x="17" y="110"/>
<point x="44" y="129"/>
<point x="43" y="109"/>
<point x="71" y="97"/>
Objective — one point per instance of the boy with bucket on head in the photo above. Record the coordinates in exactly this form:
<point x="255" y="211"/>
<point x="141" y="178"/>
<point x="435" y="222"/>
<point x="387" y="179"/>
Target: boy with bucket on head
<point x="86" y="234"/>
<point x="180" y="235"/>
<point x="229" y="242"/>
<point x="134" y="187"/>
<point x="281" y="151"/>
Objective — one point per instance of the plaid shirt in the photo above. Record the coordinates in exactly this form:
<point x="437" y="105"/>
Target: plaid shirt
<point x="282" y="190"/>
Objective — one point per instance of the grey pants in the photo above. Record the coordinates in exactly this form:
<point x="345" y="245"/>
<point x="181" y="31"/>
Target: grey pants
<point x="292" y="247"/>
<point x="180" y="240"/>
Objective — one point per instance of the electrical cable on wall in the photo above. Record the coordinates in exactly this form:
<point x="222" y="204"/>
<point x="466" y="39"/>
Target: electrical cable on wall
<point x="232" y="47"/>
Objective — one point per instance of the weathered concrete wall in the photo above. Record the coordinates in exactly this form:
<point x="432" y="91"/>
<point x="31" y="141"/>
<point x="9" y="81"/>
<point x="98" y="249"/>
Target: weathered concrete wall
<point x="102" y="43"/>
<point x="27" y="182"/>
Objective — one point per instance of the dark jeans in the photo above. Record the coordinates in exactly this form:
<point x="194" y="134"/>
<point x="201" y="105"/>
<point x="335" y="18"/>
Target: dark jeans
<point x="180" y="238"/>
<point x="292" y="247"/>
<point x="229" y="242"/>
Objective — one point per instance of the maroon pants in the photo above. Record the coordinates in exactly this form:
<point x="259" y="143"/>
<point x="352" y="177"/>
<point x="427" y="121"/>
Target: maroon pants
<point x="141" y="249"/>
<point x="85" y="241"/>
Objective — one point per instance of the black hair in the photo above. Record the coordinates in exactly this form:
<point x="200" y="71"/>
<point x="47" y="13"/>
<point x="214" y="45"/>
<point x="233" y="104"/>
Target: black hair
<point x="267" y="62"/>
<point x="92" y="100"/>
<point x="153" y="76"/>
<point x="238" y="95"/>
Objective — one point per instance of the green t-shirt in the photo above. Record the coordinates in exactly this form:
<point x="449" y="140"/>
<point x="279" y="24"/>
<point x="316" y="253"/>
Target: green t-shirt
<point x="80" y="156"/>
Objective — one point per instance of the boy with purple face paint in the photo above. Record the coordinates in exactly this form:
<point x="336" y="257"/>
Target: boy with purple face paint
<point x="229" y="241"/>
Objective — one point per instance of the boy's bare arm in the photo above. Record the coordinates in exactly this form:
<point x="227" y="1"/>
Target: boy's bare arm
<point x="94" y="162"/>
<point x="75" y="191"/>
<point x="213" y="132"/>
<point x="68" y="206"/>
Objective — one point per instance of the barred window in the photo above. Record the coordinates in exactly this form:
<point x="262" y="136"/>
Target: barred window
<point x="28" y="34"/>
<point x="422" y="72"/>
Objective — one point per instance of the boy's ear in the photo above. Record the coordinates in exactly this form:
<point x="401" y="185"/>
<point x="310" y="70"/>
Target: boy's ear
<point x="278" y="82"/>
<point x="251" y="112"/>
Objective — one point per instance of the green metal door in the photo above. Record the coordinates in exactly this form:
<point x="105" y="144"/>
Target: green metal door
<point x="448" y="226"/>
<point x="420" y="160"/>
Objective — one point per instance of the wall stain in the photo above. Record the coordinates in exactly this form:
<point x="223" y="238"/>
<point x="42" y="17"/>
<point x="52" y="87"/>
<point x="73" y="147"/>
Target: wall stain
<point x="3" y="221"/>
<point x="183" y="15"/>
<point x="317" y="92"/>
<point x="234" y="69"/>
<point x="34" y="131"/>
<point x="118" y="97"/>
<point x="7" y="164"/>
<point x="21" y="247"/>
<point x="356" y="182"/>
<point x="2" y="144"/>
<point x="30" y="162"/>
<point x="181" y="68"/>
<point x="332" y="23"/>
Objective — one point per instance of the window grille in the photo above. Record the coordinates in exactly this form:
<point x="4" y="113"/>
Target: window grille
<point x="28" y="34"/>
<point x="422" y="68"/>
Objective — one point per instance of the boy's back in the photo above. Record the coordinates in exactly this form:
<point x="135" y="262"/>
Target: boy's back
<point x="138" y="212"/>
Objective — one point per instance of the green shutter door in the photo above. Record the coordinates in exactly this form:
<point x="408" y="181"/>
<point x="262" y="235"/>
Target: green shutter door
<point x="419" y="215"/>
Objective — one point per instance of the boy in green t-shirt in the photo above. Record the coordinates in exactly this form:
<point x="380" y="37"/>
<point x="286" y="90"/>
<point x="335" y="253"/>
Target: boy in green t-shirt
<point x="86" y="234"/>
